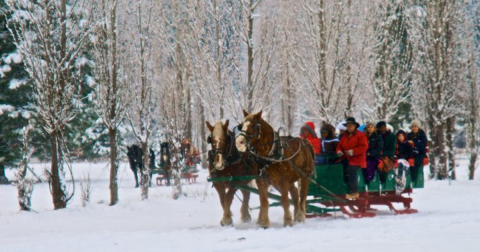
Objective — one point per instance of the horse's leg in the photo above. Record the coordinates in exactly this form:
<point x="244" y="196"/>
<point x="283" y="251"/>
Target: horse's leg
<point x="244" y="210"/>
<point x="227" y="213"/>
<point x="287" y="216"/>
<point x="167" y="176"/>
<point x="303" y="185"/>
<point x="294" y="194"/>
<point x="136" y="178"/>
<point x="221" y="195"/>
<point x="150" y="180"/>
<point x="263" y="220"/>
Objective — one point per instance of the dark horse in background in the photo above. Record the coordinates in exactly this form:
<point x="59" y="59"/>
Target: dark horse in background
<point x="165" y="161"/>
<point x="135" y="158"/>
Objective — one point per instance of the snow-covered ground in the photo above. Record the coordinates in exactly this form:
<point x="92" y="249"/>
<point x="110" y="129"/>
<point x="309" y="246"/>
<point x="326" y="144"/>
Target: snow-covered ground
<point x="448" y="220"/>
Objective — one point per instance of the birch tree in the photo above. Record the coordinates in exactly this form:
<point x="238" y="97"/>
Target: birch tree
<point x="51" y="39"/>
<point x="437" y="81"/>
<point x="472" y="82"/>
<point x="333" y="58"/>
<point x="138" y="43"/>
<point x="110" y="96"/>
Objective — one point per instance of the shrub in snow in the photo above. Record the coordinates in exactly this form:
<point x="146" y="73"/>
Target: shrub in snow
<point x="86" y="188"/>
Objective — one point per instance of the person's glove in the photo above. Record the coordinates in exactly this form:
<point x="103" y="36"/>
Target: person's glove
<point x="349" y="152"/>
<point x="339" y="154"/>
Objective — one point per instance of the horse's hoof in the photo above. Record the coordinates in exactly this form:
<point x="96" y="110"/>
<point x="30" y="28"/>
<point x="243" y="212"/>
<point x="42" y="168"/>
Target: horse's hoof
<point x="226" y="223"/>
<point x="263" y="225"/>
<point x="300" y="217"/>
<point x="246" y="219"/>
<point x="288" y="223"/>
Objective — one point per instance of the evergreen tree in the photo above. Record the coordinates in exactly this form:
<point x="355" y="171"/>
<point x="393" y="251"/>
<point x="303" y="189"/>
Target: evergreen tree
<point x="15" y="92"/>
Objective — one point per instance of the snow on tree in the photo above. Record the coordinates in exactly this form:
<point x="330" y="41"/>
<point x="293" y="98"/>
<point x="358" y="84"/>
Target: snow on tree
<point x="50" y="40"/>
<point x="138" y="42"/>
<point x="436" y="79"/>
<point x="392" y="54"/>
<point x="15" y="91"/>
<point x="332" y="58"/>
<point x="110" y="96"/>
<point x="471" y="78"/>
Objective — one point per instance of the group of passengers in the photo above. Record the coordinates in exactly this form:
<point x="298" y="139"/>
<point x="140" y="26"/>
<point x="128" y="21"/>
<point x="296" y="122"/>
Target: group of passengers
<point x="372" y="148"/>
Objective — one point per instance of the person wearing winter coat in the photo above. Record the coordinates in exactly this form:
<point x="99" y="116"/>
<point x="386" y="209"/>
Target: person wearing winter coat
<point x="389" y="140"/>
<point x="404" y="148"/>
<point x="329" y="141"/>
<point x="418" y="139"/>
<point x="341" y="129"/>
<point x="388" y="152"/>
<point x="352" y="148"/>
<point x="308" y="132"/>
<point x="328" y="145"/>
<point x="374" y="152"/>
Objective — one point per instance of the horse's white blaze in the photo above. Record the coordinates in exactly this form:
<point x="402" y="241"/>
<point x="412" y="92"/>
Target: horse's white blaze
<point x="241" y="141"/>
<point x="219" y="164"/>
<point x="165" y="158"/>
<point x="216" y="134"/>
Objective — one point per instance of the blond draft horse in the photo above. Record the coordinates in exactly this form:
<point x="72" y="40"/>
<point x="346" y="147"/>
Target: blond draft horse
<point x="226" y="161"/>
<point x="258" y="138"/>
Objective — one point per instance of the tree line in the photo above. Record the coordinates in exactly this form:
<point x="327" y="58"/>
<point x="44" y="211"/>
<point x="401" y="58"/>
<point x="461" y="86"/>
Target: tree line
<point x="92" y="76"/>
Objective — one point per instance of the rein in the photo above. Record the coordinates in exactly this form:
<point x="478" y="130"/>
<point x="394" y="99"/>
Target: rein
<point x="283" y="159"/>
<point x="273" y="145"/>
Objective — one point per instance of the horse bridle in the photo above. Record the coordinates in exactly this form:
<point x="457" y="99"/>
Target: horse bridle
<point x="257" y="132"/>
<point x="225" y="153"/>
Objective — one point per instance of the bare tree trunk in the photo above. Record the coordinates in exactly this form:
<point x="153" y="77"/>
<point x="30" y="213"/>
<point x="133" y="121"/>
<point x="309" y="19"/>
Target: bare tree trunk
<point x="58" y="195"/>
<point x="440" y="146"/>
<point x="203" y="134"/>
<point x="113" y="108"/>
<point x="112" y="133"/>
<point x="472" y="165"/>
<point x="451" y="147"/>
<point x="188" y="111"/>
<point x="3" y="178"/>
<point x="250" y="88"/>
<point x="218" y="62"/>
<point x="145" y="181"/>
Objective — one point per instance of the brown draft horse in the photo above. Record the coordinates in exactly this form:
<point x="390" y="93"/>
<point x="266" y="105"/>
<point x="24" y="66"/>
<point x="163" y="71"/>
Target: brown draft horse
<point x="259" y="139"/>
<point x="226" y="161"/>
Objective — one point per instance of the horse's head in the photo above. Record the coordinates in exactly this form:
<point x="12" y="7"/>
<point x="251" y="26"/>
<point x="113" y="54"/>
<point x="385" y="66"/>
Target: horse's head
<point x="250" y="131"/>
<point x="165" y="152"/>
<point x="221" y="141"/>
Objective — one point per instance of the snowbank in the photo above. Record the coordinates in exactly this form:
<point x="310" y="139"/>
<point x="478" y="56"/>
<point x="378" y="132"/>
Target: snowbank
<point x="448" y="220"/>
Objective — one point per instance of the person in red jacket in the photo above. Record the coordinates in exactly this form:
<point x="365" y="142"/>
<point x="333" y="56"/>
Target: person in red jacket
<point x="352" y="148"/>
<point x="308" y="132"/>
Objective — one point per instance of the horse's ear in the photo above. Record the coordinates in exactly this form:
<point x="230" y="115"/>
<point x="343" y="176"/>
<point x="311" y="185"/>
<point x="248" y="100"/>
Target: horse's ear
<point x="245" y="113"/>
<point x="209" y="126"/>
<point x="259" y="115"/>
<point x="225" y="126"/>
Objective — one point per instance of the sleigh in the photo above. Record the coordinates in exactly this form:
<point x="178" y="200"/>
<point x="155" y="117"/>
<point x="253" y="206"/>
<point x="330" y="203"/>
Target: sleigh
<point x="327" y="193"/>
<point x="329" y="190"/>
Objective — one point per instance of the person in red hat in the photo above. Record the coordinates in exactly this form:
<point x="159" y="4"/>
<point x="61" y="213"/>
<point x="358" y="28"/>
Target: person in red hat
<point x="308" y="132"/>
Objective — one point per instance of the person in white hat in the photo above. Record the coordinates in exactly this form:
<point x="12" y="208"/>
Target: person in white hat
<point x="418" y="139"/>
<point x="341" y="129"/>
